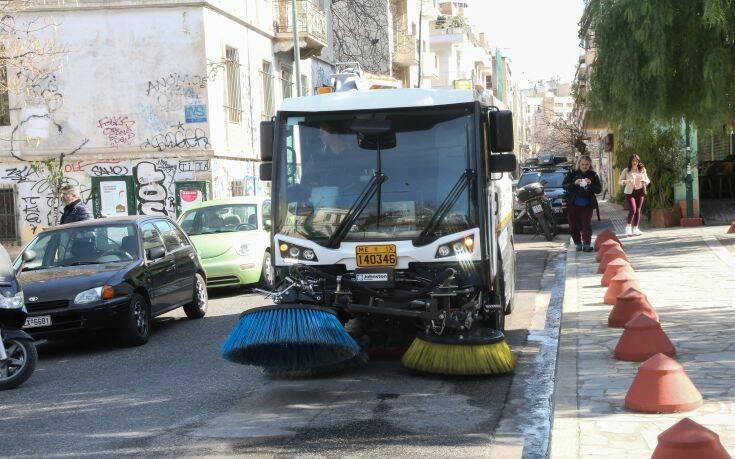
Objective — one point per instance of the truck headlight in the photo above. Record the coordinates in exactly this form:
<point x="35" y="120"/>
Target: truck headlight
<point x="243" y="250"/>
<point x="10" y="301"/>
<point x="462" y="246"/>
<point x="89" y="296"/>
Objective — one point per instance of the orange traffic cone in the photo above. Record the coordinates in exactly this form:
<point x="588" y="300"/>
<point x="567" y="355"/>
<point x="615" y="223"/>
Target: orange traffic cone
<point x="629" y="304"/>
<point x="662" y="386"/>
<point x="613" y="268"/>
<point x="609" y="256"/>
<point x="607" y="245"/>
<point x="686" y="440"/>
<point x="642" y="339"/>
<point x="732" y="228"/>
<point x="603" y="236"/>
<point x="622" y="281"/>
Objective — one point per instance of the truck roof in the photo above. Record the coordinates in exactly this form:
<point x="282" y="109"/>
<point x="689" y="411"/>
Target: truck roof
<point x="382" y="99"/>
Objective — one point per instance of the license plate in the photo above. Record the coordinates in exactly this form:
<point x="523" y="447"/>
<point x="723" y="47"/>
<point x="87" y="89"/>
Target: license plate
<point x="376" y="255"/>
<point x="537" y="209"/>
<point x="40" y="321"/>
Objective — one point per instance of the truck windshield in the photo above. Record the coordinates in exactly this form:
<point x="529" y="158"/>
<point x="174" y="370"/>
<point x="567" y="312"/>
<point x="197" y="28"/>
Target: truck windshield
<point x="324" y="166"/>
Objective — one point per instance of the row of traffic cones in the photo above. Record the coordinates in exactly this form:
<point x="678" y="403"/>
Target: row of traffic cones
<point x="661" y="384"/>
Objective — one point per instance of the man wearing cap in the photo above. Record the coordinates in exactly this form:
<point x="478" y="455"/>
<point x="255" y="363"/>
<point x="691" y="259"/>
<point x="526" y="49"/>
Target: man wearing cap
<point x="74" y="209"/>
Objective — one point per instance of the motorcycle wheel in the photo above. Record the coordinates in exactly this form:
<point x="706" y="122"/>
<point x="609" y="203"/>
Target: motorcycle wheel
<point x="21" y="362"/>
<point x="545" y="228"/>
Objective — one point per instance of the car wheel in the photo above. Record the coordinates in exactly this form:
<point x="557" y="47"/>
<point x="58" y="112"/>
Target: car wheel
<point x="137" y="328"/>
<point x="267" y="275"/>
<point x="198" y="306"/>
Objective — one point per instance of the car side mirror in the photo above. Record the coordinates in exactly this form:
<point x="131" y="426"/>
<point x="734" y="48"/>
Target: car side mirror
<point x="505" y="162"/>
<point x="28" y="256"/>
<point x="267" y="129"/>
<point x="266" y="171"/>
<point x="155" y="253"/>
<point x="501" y="130"/>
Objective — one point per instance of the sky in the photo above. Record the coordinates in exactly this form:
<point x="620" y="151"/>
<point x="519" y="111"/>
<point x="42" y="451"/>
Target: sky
<point x="540" y="35"/>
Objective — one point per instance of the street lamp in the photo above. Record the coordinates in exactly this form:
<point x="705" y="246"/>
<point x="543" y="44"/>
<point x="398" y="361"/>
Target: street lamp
<point x="689" y="180"/>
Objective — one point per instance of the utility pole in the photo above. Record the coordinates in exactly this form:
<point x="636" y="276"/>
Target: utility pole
<point x="421" y="50"/>
<point x="296" y="50"/>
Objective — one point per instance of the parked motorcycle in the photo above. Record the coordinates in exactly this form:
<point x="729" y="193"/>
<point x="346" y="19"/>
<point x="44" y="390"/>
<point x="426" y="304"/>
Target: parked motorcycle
<point x="18" y="354"/>
<point x="538" y="208"/>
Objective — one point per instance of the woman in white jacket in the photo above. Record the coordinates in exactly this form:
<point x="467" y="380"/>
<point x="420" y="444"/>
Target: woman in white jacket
<point x="635" y="180"/>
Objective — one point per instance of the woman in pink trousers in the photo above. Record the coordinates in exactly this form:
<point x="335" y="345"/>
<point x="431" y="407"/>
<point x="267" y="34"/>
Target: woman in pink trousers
<point x="635" y="180"/>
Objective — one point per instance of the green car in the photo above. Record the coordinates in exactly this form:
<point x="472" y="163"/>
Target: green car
<point x="232" y="237"/>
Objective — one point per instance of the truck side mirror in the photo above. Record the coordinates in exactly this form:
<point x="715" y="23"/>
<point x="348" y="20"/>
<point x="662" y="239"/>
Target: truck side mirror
<point x="267" y="129"/>
<point x="505" y="162"/>
<point x="501" y="130"/>
<point x="266" y="171"/>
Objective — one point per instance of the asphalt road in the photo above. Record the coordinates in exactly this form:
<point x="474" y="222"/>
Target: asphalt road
<point x="175" y="396"/>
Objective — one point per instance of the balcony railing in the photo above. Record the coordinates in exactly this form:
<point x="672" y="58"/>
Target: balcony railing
<point x="312" y="24"/>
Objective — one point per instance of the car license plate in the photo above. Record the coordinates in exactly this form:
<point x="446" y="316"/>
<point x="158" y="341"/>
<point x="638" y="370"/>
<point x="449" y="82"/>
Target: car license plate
<point x="537" y="209"/>
<point x="40" y="321"/>
<point x="376" y="255"/>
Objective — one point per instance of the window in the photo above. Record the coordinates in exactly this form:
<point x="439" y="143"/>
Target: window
<point x="220" y="219"/>
<point x="286" y="82"/>
<point x="237" y="188"/>
<point x="171" y="237"/>
<point x="266" y="81"/>
<point x="234" y="100"/>
<point x="8" y="217"/>
<point x="151" y="237"/>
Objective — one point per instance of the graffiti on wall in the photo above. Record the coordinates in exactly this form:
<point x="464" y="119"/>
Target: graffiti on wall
<point x="169" y="91"/>
<point x="152" y="194"/>
<point x="180" y="137"/>
<point x="118" y="130"/>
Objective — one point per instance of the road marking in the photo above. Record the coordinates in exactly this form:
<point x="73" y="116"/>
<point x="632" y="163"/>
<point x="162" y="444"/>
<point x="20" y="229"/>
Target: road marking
<point x="720" y="250"/>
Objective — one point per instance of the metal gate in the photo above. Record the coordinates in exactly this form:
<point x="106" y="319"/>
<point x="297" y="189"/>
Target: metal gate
<point x="8" y="216"/>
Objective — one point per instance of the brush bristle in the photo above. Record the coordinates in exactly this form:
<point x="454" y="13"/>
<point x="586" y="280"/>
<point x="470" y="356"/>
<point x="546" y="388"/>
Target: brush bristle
<point x="289" y="339"/>
<point x="459" y="359"/>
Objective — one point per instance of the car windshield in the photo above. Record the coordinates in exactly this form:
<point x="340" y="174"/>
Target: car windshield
<point x="83" y="246"/>
<point x="553" y="179"/>
<point x="220" y="219"/>
<point x="328" y="162"/>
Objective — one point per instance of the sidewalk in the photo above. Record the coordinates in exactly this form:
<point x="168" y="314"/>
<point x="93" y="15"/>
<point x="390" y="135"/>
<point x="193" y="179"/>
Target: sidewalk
<point x="689" y="278"/>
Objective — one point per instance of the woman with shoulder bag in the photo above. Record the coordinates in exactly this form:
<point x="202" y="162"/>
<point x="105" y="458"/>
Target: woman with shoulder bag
<point x="581" y="186"/>
<point x="635" y="180"/>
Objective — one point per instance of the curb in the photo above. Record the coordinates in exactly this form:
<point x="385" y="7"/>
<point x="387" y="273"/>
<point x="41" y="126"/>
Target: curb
<point x="565" y="432"/>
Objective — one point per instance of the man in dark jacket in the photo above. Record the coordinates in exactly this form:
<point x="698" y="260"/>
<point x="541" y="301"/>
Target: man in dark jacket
<point x="74" y="209"/>
<point x="581" y="186"/>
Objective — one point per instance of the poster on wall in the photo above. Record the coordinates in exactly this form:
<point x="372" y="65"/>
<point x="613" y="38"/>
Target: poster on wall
<point x="190" y="196"/>
<point x="113" y="198"/>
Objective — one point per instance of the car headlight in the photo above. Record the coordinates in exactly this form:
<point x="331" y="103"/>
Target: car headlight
<point x="10" y="301"/>
<point x="294" y="253"/>
<point x="462" y="246"/>
<point x="89" y="296"/>
<point x="243" y="250"/>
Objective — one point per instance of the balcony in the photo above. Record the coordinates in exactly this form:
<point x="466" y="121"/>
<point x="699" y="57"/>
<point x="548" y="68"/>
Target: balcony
<point x="312" y="27"/>
<point x="405" y="53"/>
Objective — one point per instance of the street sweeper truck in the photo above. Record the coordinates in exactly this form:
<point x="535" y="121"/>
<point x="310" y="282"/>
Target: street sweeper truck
<point x="392" y="231"/>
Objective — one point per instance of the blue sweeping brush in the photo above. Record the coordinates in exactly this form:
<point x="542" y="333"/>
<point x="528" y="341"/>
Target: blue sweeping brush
<point x="289" y="338"/>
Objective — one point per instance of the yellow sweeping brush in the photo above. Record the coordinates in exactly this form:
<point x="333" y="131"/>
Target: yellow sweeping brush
<point x="484" y="352"/>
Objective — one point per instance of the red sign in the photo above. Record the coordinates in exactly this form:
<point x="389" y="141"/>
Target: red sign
<point x="189" y="195"/>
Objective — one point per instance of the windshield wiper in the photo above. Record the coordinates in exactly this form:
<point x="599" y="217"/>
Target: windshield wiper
<point x="445" y="206"/>
<point x="357" y="207"/>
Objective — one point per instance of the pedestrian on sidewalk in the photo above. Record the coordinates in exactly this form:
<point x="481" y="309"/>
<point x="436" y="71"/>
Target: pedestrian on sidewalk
<point x="581" y="185"/>
<point x="635" y="179"/>
<point x="74" y="209"/>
